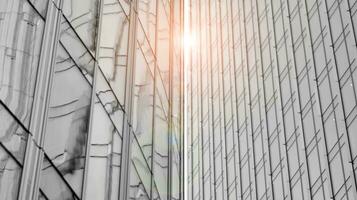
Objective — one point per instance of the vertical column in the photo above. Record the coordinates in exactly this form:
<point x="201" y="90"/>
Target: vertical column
<point x="93" y="99"/>
<point x="170" y="115"/>
<point x="34" y="154"/>
<point x="127" y="129"/>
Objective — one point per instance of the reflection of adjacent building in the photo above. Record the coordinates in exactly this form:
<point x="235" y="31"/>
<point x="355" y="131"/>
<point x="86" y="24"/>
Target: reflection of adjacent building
<point x="272" y="101"/>
<point x="90" y="100"/>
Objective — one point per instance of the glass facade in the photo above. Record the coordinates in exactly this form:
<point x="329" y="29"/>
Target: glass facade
<point x="272" y="99"/>
<point x="93" y="103"/>
<point x="91" y="99"/>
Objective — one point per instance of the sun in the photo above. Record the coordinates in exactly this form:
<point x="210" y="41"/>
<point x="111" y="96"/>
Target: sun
<point x="188" y="41"/>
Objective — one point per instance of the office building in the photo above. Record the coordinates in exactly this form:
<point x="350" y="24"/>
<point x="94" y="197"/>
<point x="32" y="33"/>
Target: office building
<point x="91" y="99"/>
<point x="272" y="101"/>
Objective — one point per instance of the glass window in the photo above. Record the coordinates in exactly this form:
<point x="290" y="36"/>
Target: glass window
<point x="104" y="156"/>
<point x="109" y="100"/>
<point x="113" y="49"/>
<point x="53" y="185"/>
<point x="41" y="6"/>
<point x="143" y="105"/>
<point x="140" y="178"/>
<point x="76" y="49"/>
<point x="10" y="175"/>
<point x="12" y="135"/>
<point x="21" y="30"/>
<point x="68" y="118"/>
<point x="82" y="15"/>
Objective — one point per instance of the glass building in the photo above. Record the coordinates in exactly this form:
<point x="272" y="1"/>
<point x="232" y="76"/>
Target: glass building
<point x="272" y="102"/>
<point x="91" y="96"/>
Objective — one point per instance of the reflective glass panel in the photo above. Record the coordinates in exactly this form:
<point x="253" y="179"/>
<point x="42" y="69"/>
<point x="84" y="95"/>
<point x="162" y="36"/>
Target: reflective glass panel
<point x="12" y="135"/>
<point x="68" y="118"/>
<point x="53" y="185"/>
<point x="21" y="30"/>
<point x="113" y="48"/>
<point x="10" y="175"/>
<point x="41" y="6"/>
<point x="104" y="161"/>
<point x="76" y="49"/>
<point x="82" y="15"/>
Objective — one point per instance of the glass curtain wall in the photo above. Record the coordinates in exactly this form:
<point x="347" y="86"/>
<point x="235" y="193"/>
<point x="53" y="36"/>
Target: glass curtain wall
<point x="91" y="99"/>
<point x="272" y="99"/>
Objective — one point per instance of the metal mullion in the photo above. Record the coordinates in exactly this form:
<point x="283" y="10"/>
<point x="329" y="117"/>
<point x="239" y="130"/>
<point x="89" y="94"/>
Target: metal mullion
<point x="195" y="113"/>
<point x="257" y="83"/>
<point x="292" y="93"/>
<point x="127" y="129"/>
<point x="249" y="103"/>
<point x="211" y="97"/>
<point x="275" y="104"/>
<point x="198" y="105"/>
<point x="209" y="116"/>
<point x="229" y="14"/>
<point x="236" y="99"/>
<point x="191" y="105"/>
<point x="154" y="107"/>
<point x="264" y="99"/>
<point x="124" y="103"/>
<point x="299" y="96"/>
<point x="351" y="19"/>
<point x="92" y="103"/>
<point x="331" y="95"/>
<point x="29" y="187"/>
<point x="354" y="91"/>
<point x="199" y="76"/>
<point x="318" y="99"/>
<point x="242" y="165"/>
<point x="170" y="104"/>
<point x="281" y="101"/>
<point x="340" y="98"/>
<point x="182" y="109"/>
<point x="206" y="98"/>
<point x="220" y="104"/>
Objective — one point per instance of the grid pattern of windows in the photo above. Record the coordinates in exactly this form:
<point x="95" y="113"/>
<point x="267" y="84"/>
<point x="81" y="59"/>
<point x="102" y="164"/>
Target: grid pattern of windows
<point x="272" y="99"/>
<point x="91" y="99"/>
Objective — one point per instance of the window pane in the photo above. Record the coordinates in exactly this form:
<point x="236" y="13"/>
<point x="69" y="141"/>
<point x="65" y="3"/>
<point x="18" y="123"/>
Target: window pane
<point x="21" y="30"/>
<point x="10" y="175"/>
<point x="41" y="6"/>
<point x="12" y="135"/>
<point x="68" y="118"/>
<point x="104" y="156"/>
<point x="53" y="185"/>
<point x="77" y="50"/>
<point x="82" y="14"/>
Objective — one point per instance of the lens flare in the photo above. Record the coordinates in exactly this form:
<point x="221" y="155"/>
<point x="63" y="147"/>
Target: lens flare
<point x="188" y="41"/>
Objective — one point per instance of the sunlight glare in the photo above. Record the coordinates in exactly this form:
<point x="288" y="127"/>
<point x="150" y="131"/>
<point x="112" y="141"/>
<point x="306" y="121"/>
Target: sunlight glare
<point x="188" y="41"/>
